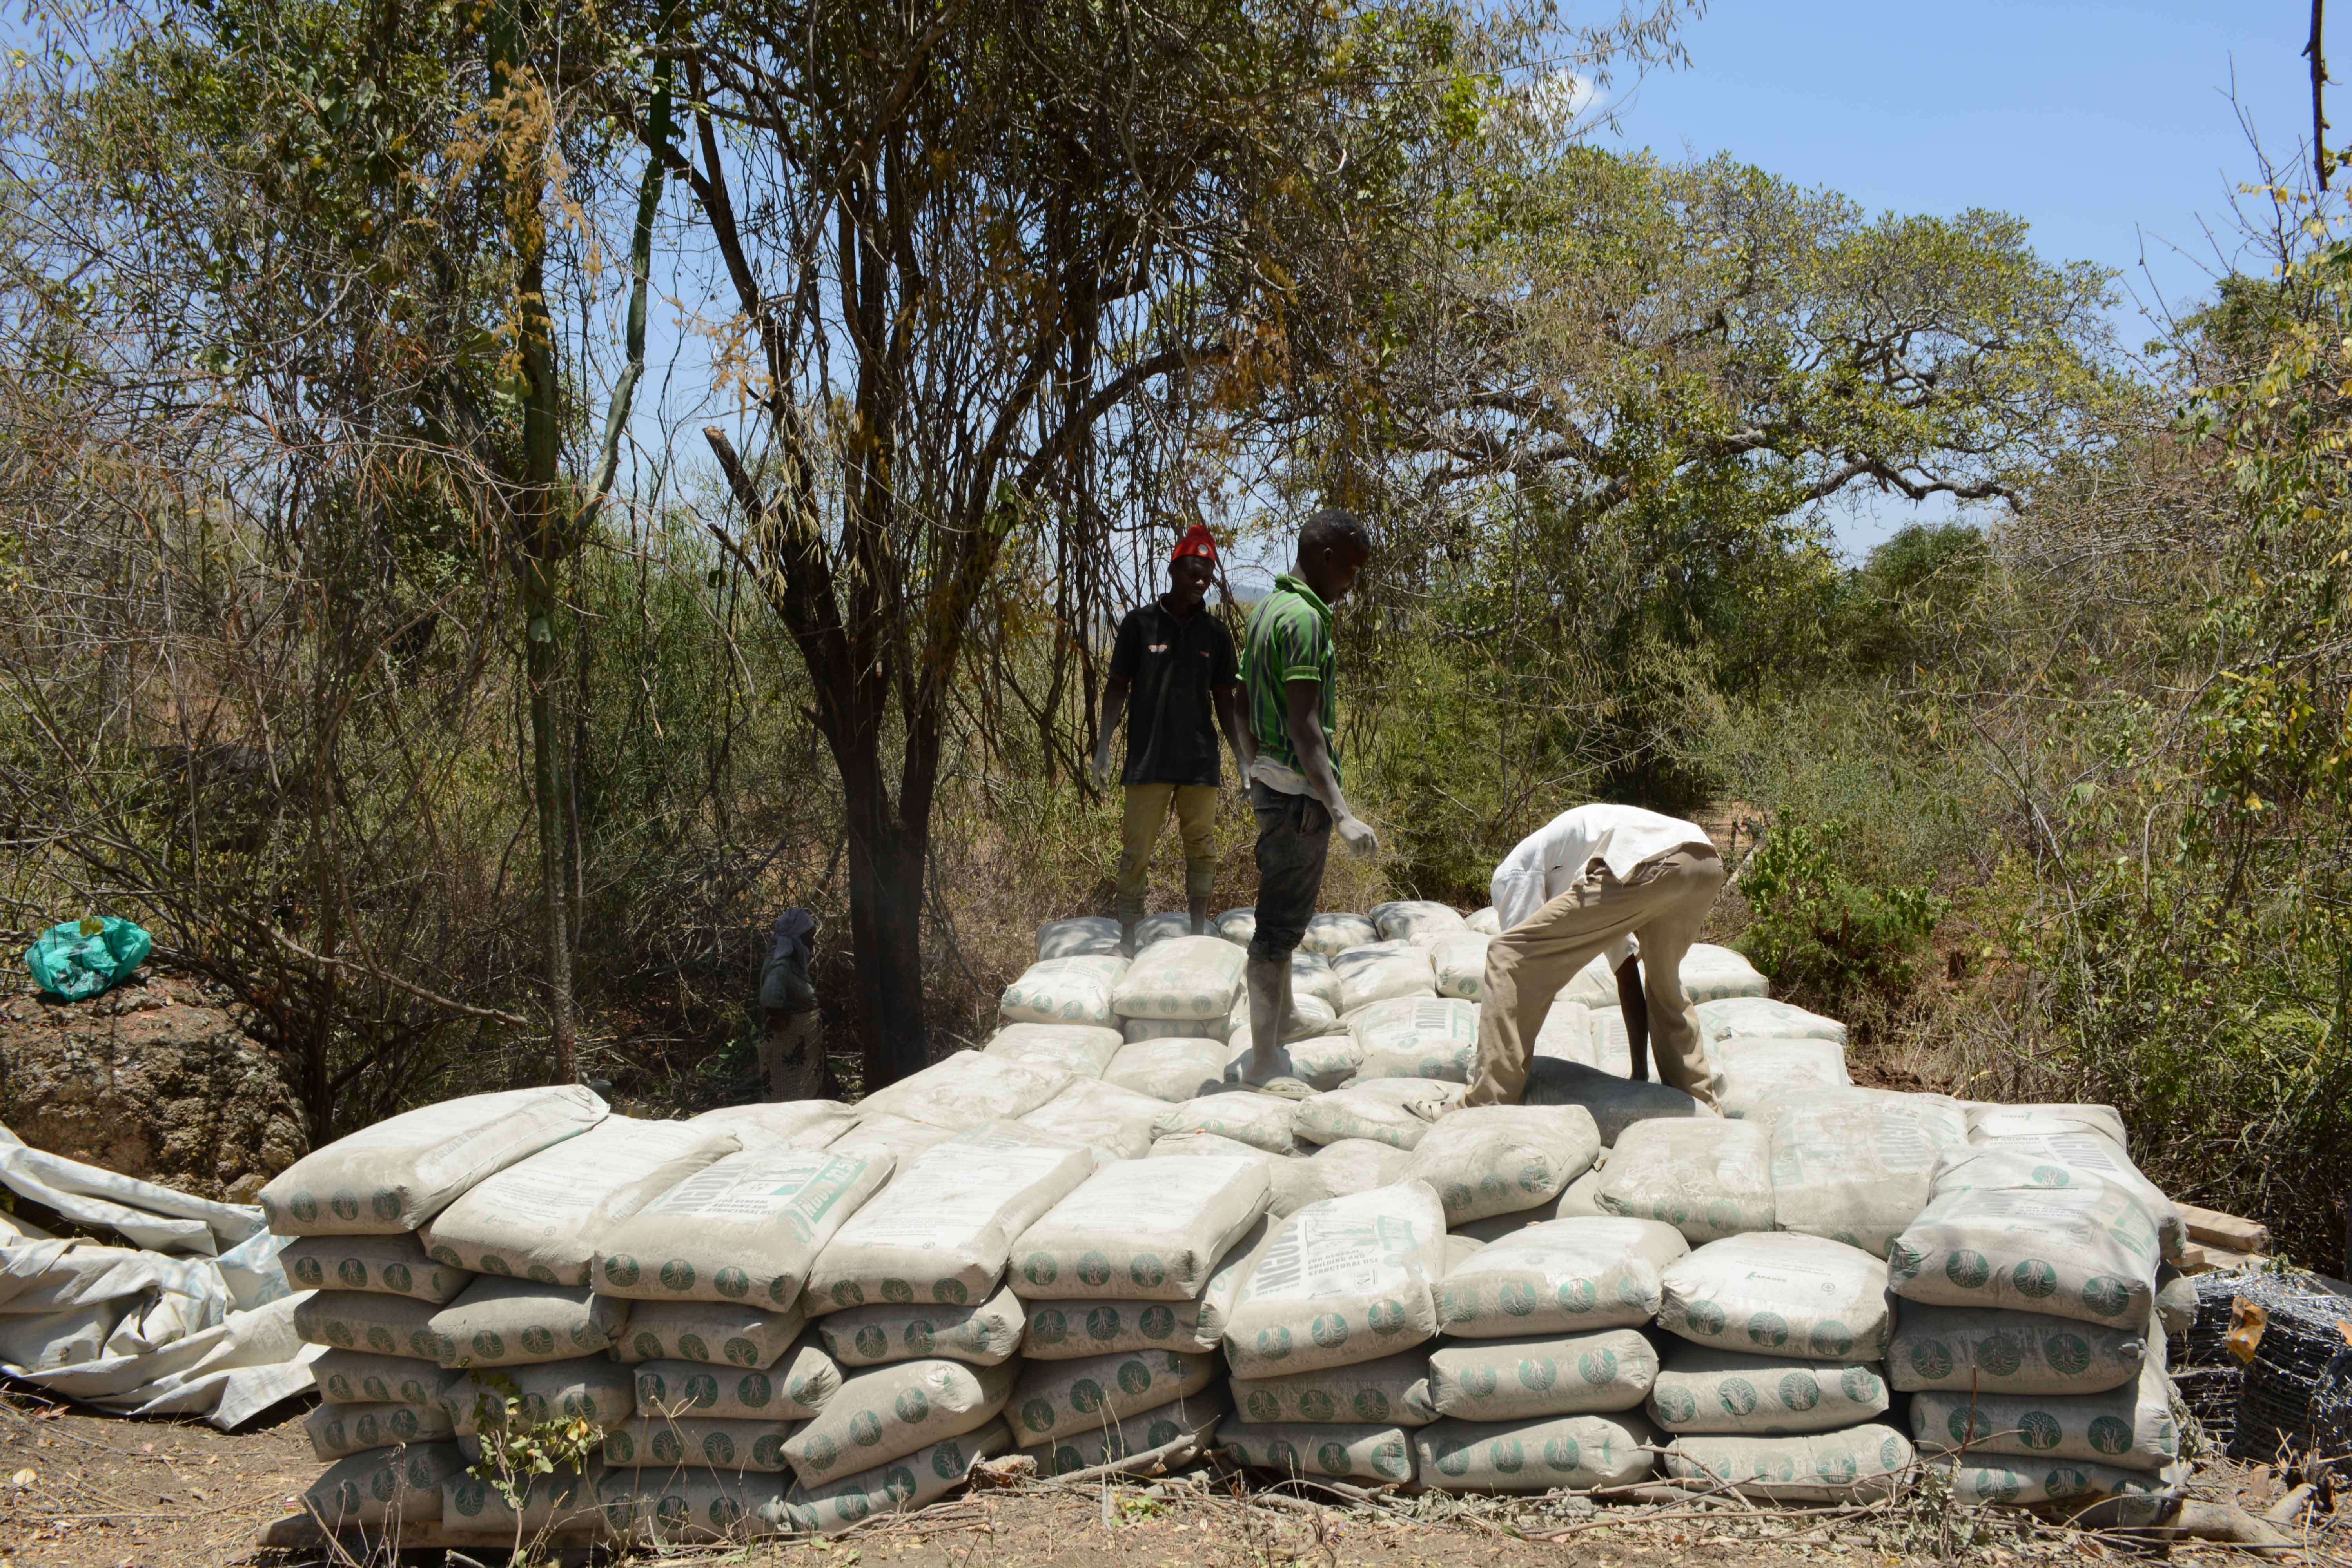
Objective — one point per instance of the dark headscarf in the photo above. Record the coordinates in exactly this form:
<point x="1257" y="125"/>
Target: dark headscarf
<point x="794" y="927"/>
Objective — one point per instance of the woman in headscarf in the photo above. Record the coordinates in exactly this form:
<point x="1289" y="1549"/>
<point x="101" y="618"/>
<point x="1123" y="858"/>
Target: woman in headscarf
<point x="792" y="1046"/>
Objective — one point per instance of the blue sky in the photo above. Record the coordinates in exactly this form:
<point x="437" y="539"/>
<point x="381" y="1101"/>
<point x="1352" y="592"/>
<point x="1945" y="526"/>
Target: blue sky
<point x="2109" y="128"/>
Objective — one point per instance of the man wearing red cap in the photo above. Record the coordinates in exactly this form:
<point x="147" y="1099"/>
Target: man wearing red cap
<point x="1175" y="678"/>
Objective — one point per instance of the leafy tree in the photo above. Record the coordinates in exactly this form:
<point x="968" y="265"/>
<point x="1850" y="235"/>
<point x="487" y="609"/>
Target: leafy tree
<point x="957" y="242"/>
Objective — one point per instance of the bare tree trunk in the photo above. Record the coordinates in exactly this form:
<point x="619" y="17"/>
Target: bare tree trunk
<point x="542" y="661"/>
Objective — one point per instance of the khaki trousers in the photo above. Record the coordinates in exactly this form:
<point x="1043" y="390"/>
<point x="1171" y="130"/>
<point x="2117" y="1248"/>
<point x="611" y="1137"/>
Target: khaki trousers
<point x="1663" y="905"/>
<point x="1196" y="826"/>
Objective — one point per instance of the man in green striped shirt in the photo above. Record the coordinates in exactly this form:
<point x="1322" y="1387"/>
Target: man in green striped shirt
<point x="1289" y="677"/>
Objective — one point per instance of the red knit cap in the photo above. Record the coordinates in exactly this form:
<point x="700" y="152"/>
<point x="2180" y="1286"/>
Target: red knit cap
<point x="1197" y="540"/>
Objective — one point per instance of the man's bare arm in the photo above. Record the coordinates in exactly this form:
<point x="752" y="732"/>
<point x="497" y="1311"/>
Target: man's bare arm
<point x="1114" y="708"/>
<point x="1304" y="701"/>
<point x="1237" y="735"/>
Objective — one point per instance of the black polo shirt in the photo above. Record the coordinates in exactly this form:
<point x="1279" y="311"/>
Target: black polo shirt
<point x="1175" y="666"/>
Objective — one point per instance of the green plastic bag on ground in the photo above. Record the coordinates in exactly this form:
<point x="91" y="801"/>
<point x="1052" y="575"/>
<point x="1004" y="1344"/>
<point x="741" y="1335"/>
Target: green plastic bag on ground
<point x="81" y="959"/>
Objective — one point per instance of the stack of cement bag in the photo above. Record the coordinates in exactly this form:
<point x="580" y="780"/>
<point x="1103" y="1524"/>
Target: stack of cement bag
<point x="192" y="1316"/>
<point x="1085" y="1243"/>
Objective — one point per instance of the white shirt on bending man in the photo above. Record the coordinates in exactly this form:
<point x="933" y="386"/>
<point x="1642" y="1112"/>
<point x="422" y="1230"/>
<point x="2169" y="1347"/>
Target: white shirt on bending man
<point x="1555" y="857"/>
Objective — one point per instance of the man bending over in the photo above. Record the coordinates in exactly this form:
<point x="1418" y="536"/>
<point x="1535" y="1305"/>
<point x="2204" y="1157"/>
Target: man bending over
<point x="1576" y="889"/>
<point x="1289" y="675"/>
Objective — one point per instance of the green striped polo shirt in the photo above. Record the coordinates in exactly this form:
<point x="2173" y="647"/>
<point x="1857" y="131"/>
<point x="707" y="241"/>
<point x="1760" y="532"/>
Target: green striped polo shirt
<point x="1289" y="639"/>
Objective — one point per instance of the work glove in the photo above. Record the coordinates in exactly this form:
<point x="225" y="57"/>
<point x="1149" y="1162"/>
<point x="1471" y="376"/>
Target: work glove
<point x="1358" y="837"/>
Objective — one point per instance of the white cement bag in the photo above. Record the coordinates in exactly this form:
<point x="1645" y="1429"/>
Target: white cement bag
<point x="1500" y="1159"/>
<point x="968" y="1089"/>
<point x="584" y="1388"/>
<point x="891" y="1138"/>
<point x="891" y="1411"/>
<point x="716" y="1442"/>
<point x="1854" y="1462"/>
<point x="2131" y="1426"/>
<point x="1575" y="1452"/>
<point x="662" y="1507"/>
<point x="1067" y="1331"/>
<point x="1459" y="959"/>
<point x="1590" y="1037"/>
<point x="2050" y="1160"/>
<point x="1460" y="1249"/>
<point x="1357" y="1165"/>
<point x="2010" y="1353"/>
<point x="801" y="1124"/>
<point x="511" y="1323"/>
<point x="1134" y="1029"/>
<point x="1708" y="1178"/>
<point x="1989" y="1121"/>
<point x="1064" y="991"/>
<point x="1332" y="934"/>
<point x="1311" y="1019"/>
<point x="2018" y="1482"/>
<point x="393" y="1265"/>
<point x="1310" y="975"/>
<point x="1712" y="974"/>
<point x="1485" y="922"/>
<point x="1595" y="985"/>
<point x="1561" y="1277"/>
<point x="1380" y="971"/>
<point x="794" y="1390"/>
<point x="1705" y="1390"/>
<point x="1373" y="1109"/>
<point x="1115" y="1123"/>
<point x="1173" y="1069"/>
<point x="1617" y="1104"/>
<point x="1375" y="1456"/>
<point x="562" y="1499"/>
<point x="1413" y="920"/>
<point x="1158" y="928"/>
<point x="401" y="1171"/>
<point x="1748" y="1067"/>
<point x="746" y="1229"/>
<point x="367" y="1321"/>
<point x="1544" y="1375"/>
<point x="1321" y="1062"/>
<point x="2087" y="1251"/>
<point x="336" y="1430"/>
<point x="1147" y="1432"/>
<point x="1082" y="936"/>
<point x="943" y="1233"/>
<point x="366" y="1377"/>
<point x="1260" y="1120"/>
<point x="916" y="1481"/>
<point x="1392" y="1391"/>
<point x="541" y="1219"/>
<point x="381" y="1485"/>
<point x="2176" y="1300"/>
<point x="1761" y="1017"/>
<point x="1237" y="926"/>
<point x="1582" y="1198"/>
<point x="1056" y="1399"/>
<point x="1779" y="1294"/>
<point x="1081" y="1050"/>
<point x="1183" y="977"/>
<point x="1855" y="1170"/>
<point x="724" y="1333"/>
<point x="1416" y="1037"/>
<point x="1140" y="1230"/>
<point x="1343" y="1280"/>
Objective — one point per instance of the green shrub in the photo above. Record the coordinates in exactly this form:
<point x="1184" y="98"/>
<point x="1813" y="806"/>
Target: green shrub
<point x="1824" y="937"/>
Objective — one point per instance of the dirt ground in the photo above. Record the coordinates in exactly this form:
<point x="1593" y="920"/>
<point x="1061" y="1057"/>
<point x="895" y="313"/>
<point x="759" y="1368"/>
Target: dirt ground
<point x="79" y="1490"/>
